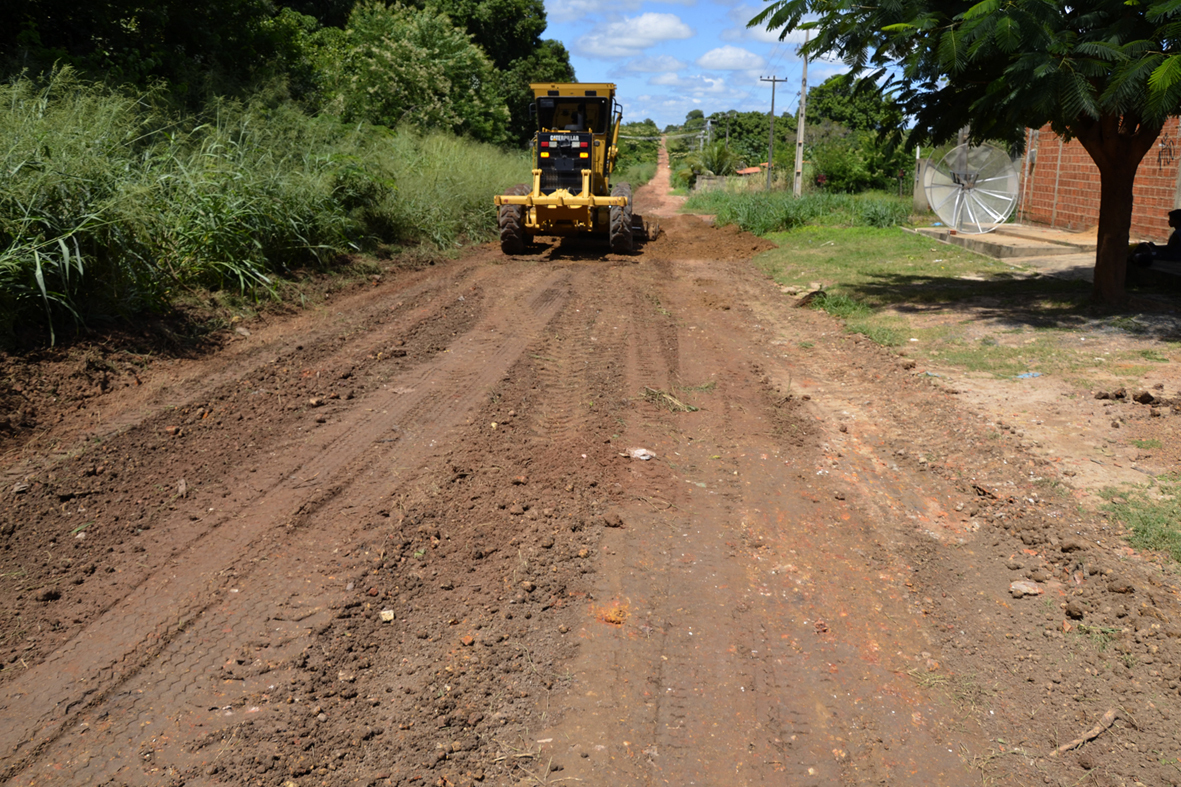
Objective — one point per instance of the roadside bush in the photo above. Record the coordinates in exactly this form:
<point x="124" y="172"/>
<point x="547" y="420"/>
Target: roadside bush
<point x="638" y="143"/>
<point x="762" y="212"/>
<point x="110" y="205"/>
<point x="883" y="212"/>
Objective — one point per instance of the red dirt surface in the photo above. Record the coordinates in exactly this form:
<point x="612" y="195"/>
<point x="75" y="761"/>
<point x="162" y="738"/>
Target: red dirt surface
<point x="403" y="539"/>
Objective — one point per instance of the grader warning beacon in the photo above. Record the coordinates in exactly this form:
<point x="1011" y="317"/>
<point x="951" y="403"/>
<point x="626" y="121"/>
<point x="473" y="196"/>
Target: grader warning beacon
<point x="574" y="152"/>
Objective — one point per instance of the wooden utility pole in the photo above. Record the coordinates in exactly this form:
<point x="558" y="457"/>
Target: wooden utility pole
<point x="771" y="139"/>
<point x="798" y="188"/>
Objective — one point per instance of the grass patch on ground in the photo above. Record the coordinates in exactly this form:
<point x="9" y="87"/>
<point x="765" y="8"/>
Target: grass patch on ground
<point x="877" y="266"/>
<point x="952" y="306"/>
<point x="1151" y="512"/>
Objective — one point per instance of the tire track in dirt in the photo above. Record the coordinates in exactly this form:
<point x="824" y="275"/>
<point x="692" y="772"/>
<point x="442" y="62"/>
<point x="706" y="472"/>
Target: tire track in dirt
<point x="130" y="636"/>
<point x="318" y="335"/>
<point x="725" y="671"/>
<point x="106" y="469"/>
<point x="561" y="365"/>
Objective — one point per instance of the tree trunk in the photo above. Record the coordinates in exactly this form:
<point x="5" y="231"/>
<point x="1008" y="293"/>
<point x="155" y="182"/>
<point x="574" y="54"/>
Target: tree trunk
<point x="1115" y="225"/>
<point x="1116" y="145"/>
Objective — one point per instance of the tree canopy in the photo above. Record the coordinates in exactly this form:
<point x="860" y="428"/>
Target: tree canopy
<point x="396" y="65"/>
<point x="858" y="107"/>
<point x="458" y="52"/>
<point x="853" y="136"/>
<point x="747" y="134"/>
<point x="1105" y="71"/>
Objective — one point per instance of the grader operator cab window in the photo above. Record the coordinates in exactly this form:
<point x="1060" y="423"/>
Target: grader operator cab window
<point x="587" y="115"/>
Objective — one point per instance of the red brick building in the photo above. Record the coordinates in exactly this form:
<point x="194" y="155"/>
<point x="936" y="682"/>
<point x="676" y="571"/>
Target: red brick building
<point x="1061" y="188"/>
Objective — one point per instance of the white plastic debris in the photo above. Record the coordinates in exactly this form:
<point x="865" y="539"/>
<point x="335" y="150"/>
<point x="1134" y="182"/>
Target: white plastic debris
<point x="640" y="453"/>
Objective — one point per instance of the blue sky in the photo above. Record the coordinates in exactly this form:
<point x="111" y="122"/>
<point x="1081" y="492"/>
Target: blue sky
<point x="671" y="56"/>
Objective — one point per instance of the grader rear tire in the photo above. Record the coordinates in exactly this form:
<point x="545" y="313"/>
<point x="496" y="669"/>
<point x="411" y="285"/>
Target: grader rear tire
<point x="621" y="221"/>
<point x="511" y="221"/>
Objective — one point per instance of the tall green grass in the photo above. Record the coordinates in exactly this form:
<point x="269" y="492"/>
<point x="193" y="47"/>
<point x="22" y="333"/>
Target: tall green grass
<point x="762" y="212"/>
<point x="110" y="205"/>
<point x="636" y="174"/>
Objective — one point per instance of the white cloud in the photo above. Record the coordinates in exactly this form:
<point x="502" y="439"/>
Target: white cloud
<point x="669" y="79"/>
<point x="820" y="70"/>
<point x="653" y="64"/>
<point x="697" y="85"/>
<point x="631" y="36"/>
<point x="741" y="14"/>
<point x="558" y="11"/>
<point x="731" y="58"/>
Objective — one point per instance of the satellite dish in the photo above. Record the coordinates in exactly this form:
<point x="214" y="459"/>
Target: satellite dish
<point x="972" y="189"/>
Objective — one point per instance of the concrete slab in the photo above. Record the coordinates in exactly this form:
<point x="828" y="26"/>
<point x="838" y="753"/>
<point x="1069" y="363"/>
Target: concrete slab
<point x="1078" y="266"/>
<point x="1066" y="255"/>
<point x="998" y="246"/>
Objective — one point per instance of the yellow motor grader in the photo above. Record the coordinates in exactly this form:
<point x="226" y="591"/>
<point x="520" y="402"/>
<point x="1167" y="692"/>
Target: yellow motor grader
<point x="574" y="152"/>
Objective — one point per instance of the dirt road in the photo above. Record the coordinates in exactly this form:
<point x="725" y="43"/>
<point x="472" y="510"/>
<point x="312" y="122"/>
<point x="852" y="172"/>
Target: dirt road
<point x="409" y="537"/>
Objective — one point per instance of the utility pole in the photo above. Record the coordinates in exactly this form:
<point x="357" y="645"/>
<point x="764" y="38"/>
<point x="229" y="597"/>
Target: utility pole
<point x="798" y="188"/>
<point x="771" y="137"/>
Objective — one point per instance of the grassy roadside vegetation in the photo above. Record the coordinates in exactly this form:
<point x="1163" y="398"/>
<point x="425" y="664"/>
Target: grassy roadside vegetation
<point x="638" y="148"/>
<point x="951" y="307"/>
<point x="113" y="206"/>
<point x="761" y="212"/>
<point x="941" y="302"/>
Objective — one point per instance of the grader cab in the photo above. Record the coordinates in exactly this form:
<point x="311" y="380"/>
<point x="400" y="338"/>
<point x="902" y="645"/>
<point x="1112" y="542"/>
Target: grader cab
<point x="574" y="151"/>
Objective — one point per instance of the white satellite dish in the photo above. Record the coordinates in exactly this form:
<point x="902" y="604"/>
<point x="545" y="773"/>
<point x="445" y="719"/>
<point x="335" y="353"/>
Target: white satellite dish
<point x="972" y="189"/>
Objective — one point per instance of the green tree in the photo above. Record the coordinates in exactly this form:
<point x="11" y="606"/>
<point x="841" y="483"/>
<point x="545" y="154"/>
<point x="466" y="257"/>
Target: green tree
<point x="853" y="136"/>
<point x="550" y="62"/>
<point x="748" y="133"/>
<point x="712" y="158"/>
<point x="1107" y="72"/>
<point x="224" y="44"/>
<point x="858" y="107"/>
<point x="844" y="159"/>
<point x="328" y="13"/>
<point x="638" y="142"/>
<point x="509" y="32"/>
<point x="394" y="65"/>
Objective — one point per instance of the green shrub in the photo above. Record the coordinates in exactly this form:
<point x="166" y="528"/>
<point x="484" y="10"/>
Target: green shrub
<point x="762" y="212"/>
<point x="883" y="212"/>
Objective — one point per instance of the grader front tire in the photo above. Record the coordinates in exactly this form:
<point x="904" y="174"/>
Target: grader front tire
<point x="511" y="221"/>
<point x="621" y="221"/>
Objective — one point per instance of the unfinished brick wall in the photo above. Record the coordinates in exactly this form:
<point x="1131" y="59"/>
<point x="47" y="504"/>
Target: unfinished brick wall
<point x="1067" y="170"/>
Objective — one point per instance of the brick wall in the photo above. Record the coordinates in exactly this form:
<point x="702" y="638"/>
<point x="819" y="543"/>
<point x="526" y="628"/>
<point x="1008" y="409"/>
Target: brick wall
<point x="1077" y="204"/>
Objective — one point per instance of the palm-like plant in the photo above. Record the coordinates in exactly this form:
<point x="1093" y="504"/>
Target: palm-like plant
<point x="713" y="159"/>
